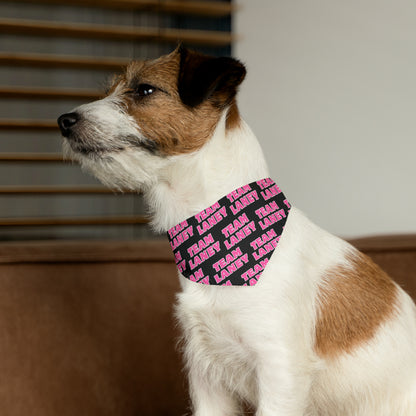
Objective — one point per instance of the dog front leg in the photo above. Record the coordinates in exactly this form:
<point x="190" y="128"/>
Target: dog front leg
<point x="283" y="388"/>
<point x="209" y="399"/>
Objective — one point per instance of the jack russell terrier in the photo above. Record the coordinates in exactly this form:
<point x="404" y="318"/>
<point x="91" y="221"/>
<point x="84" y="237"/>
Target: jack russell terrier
<point x="303" y="323"/>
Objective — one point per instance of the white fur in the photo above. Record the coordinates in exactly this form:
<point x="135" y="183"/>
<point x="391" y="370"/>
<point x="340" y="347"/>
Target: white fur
<point x="257" y="343"/>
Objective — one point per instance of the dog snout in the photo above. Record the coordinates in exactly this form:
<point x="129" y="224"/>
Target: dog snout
<point x="67" y="122"/>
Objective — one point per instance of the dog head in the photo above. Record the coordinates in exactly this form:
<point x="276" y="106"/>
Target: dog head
<point x="155" y="111"/>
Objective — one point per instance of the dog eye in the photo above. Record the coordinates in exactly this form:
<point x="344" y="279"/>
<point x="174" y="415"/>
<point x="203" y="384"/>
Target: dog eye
<point x="143" y="90"/>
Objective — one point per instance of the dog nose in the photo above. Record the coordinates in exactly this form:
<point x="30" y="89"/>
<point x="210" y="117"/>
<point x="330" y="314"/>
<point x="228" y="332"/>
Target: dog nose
<point x="66" y="122"/>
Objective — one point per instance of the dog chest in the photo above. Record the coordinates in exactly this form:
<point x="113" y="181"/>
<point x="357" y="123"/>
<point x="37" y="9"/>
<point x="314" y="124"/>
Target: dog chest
<point x="214" y="346"/>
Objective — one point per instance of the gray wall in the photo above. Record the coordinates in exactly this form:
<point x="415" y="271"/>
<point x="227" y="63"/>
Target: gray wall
<point x="331" y="94"/>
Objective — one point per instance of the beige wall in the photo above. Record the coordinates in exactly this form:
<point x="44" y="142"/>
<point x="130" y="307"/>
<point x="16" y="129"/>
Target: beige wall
<point x="331" y="95"/>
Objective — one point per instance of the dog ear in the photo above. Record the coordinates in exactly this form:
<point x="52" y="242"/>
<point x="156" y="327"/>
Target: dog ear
<point x="202" y="77"/>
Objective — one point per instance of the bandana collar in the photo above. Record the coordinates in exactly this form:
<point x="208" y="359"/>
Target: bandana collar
<point x="231" y="242"/>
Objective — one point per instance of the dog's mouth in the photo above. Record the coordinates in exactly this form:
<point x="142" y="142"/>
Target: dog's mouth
<point x="80" y="146"/>
<point x="85" y="147"/>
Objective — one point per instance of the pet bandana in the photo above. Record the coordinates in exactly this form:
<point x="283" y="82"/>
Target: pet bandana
<point x="231" y="242"/>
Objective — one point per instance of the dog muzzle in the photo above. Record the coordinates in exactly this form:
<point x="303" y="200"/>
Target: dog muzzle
<point x="231" y="242"/>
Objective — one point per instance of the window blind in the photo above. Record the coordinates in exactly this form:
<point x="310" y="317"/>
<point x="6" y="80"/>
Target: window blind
<point x="56" y="55"/>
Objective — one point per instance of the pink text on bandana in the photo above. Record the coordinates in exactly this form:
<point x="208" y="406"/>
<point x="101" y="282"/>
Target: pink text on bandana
<point x="231" y="242"/>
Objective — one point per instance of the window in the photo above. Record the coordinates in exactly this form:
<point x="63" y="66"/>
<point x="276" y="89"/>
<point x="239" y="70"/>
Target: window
<point x="56" y="55"/>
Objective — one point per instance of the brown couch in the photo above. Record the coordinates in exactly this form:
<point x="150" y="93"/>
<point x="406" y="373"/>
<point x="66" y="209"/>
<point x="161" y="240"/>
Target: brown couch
<point x="86" y="328"/>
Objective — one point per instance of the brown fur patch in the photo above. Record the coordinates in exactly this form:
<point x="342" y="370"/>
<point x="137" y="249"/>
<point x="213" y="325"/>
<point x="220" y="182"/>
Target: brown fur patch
<point x="171" y="126"/>
<point x="353" y="302"/>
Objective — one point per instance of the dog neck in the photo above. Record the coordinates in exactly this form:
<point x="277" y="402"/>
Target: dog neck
<point x="190" y="183"/>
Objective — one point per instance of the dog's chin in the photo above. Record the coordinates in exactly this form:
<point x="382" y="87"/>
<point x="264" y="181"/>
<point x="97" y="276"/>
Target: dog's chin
<point x="120" y="169"/>
<point x="93" y="161"/>
<point x="69" y="153"/>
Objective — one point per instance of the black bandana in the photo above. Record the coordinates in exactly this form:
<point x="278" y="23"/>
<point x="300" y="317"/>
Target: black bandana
<point x="231" y="242"/>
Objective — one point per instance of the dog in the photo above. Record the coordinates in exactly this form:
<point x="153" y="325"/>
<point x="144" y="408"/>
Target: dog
<point x="324" y="331"/>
